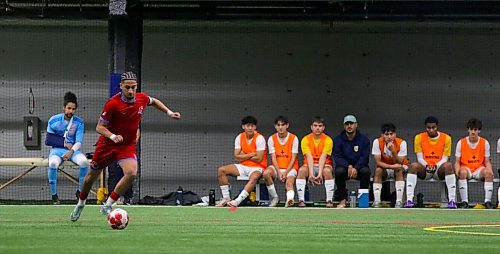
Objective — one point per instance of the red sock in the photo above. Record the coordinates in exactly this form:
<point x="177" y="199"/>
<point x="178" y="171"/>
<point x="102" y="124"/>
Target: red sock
<point x="83" y="196"/>
<point x="114" y="196"/>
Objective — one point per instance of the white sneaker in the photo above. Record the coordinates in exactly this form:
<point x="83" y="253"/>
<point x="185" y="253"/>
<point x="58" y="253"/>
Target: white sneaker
<point x="105" y="209"/>
<point x="376" y="205"/>
<point x="75" y="214"/>
<point x="399" y="204"/>
<point x="274" y="202"/>
<point x="289" y="203"/>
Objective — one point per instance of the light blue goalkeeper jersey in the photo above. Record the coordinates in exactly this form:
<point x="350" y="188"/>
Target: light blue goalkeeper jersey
<point x="57" y="125"/>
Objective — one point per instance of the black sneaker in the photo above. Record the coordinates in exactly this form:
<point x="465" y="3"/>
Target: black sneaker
<point x="77" y="194"/>
<point x="55" y="200"/>
<point x="489" y="205"/>
<point x="464" y="205"/>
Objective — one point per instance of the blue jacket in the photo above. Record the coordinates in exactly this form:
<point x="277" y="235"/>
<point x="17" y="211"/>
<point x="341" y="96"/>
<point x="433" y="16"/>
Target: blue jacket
<point x="354" y="152"/>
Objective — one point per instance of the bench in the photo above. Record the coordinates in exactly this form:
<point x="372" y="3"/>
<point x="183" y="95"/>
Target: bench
<point x="257" y="186"/>
<point x="34" y="163"/>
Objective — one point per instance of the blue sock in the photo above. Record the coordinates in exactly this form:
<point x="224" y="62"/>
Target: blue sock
<point x="81" y="177"/>
<point x="53" y="180"/>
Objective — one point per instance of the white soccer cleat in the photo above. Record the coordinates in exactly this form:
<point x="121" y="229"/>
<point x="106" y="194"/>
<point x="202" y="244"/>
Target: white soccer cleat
<point x="223" y="202"/>
<point x="274" y="202"/>
<point x="376" y="205"/>
<point x="232" y="203"/>
<point x="399" y="204"/>
<point x="105" y="210"/>
<point x="75" y="214"/>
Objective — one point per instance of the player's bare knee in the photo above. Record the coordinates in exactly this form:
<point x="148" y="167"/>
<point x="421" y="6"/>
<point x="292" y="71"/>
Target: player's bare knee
<point x="414" y="168"/>
<point x="462" y="174"/>
<point x="488" y="176"/>
<point x="268" y="174"/>
<point x="221" y="170"/>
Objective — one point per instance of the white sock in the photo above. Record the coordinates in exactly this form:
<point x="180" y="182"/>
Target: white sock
<point x="329" y="187"/>
<point x="488" y="191"/>
<point x="244" y="194"/>
<point x="301" y="188"/>
<point x="272" y="191"/>
<point x="225" y="191"/>
<point x="110" y="201"/>
<point x="451" y="183"/>
<point x="400" y="187"/>
<point x="377" y="189"/>
<point x="411" y="182"/>
<point x="498" y="197"/>
<point x="290" y="195"/>
<point x="81" y="202"/>
<point x="463" y="190"/>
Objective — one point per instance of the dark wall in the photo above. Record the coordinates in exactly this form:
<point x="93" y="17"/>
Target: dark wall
<point x="215" y="73"/>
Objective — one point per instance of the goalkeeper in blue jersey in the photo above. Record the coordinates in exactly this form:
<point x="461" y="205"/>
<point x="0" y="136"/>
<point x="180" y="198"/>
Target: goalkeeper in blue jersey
<point x="65" y="136"/>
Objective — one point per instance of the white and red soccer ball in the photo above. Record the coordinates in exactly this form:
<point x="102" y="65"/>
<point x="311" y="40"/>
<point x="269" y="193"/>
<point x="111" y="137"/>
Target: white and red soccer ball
<point x="118" y="218"/>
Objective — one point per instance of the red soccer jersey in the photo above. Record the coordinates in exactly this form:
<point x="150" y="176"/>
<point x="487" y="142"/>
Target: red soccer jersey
<point x="123" y="117"/>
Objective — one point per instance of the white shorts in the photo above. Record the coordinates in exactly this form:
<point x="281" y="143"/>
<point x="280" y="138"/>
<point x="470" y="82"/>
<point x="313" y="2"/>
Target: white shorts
<point x="390" y="172"/>
<point x="476" y="175"/>
<point x="292" y="173"/>
<point x="246" y="171"/>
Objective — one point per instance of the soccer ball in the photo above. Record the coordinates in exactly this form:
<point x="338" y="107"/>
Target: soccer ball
<point x="118" y="218"/>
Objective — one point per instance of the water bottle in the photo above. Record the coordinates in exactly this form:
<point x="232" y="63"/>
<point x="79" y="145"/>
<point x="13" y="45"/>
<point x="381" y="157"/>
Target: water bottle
<point x="252" y="196"/>
<point x="420" y="200"/>
<point x="179" y="199"/>
<point x="211" y="197"/>
<point x="352" y="199"/>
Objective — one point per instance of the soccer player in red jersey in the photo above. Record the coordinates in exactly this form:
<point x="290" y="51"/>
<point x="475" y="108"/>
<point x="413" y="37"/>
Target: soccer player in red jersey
<point x="118" y="127"/>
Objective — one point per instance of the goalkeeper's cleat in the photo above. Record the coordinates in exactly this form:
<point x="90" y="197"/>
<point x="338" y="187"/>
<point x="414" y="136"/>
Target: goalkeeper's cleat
<point x="75" y="215"/>
<point x="55" y="200"/>
<point x="105" y="210"/>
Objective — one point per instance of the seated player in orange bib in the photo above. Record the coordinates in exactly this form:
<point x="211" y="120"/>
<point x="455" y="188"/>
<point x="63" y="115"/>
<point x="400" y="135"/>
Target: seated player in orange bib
<point x="433" y="149"/>
<point x="250" y="153"/>
<point x="390" y="154"/>
<point x="283" y="148"/>
<point x="317" y="150"/>
<point x="472" y="161"/>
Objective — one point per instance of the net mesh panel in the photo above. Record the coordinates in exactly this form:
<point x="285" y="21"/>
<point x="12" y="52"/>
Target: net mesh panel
<point x="215" y="73"/>
<point x="50" y="57"/>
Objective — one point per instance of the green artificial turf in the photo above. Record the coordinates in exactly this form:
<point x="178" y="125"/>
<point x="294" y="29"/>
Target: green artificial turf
<point x="47" y="229"/>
